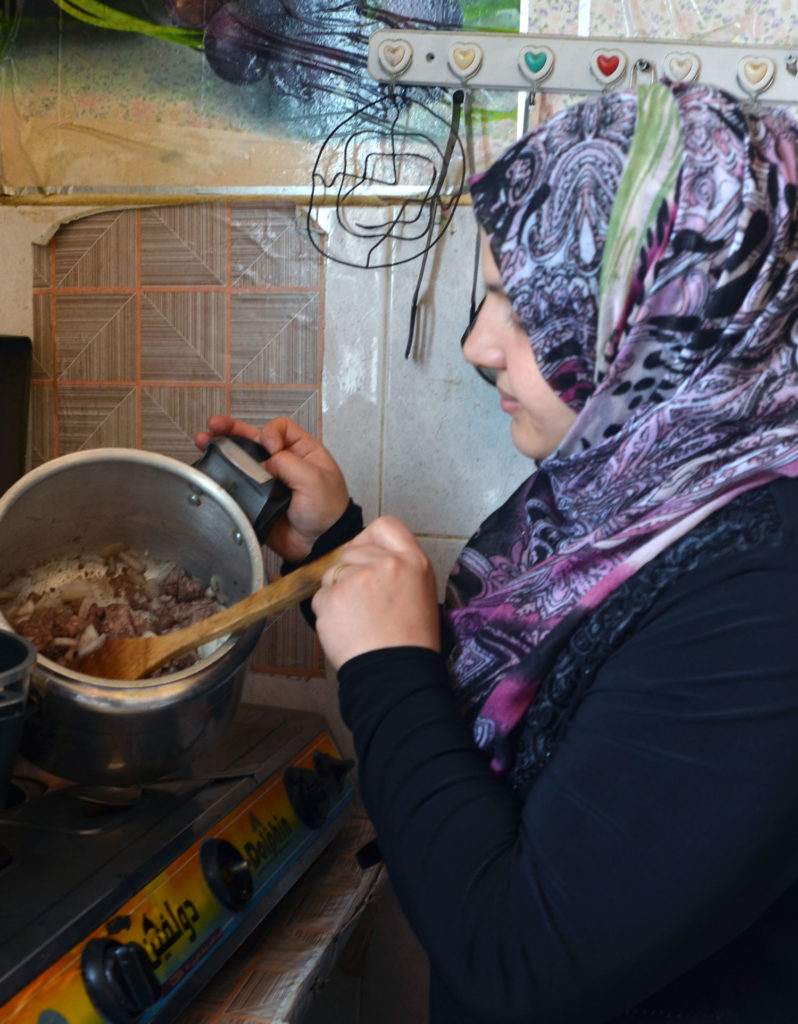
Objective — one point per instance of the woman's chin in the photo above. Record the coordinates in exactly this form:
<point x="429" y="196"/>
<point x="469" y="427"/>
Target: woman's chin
<point x="527" y="441"/>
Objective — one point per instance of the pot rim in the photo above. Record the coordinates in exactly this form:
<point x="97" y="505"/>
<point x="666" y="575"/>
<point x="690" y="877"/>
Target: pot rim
<point x="114" y="690"/>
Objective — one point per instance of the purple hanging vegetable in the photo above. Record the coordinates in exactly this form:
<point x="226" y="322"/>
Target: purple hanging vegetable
<point x="306" y="46"/>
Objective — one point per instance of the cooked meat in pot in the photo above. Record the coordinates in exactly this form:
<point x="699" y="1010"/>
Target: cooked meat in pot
<point x="67" y="610"/>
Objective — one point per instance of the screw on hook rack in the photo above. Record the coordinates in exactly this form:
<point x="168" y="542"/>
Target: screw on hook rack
<point x="791" y="63"/>
<point x="642" y="66"/>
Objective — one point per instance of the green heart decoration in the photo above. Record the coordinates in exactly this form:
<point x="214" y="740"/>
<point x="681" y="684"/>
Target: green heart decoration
<point x="536" y="64"/>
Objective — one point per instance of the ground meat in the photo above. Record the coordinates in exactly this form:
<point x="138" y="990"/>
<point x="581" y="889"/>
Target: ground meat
<point x="118" y="596"/>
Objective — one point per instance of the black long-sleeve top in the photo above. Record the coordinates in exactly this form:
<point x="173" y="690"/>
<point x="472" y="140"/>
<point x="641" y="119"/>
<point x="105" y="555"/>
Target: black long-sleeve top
<point x="648" y="874"/>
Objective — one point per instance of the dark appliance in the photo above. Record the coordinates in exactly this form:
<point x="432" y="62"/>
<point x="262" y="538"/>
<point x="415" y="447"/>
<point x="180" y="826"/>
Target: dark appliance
<point x="119" y="905"/>
<point x="15" y="372"/>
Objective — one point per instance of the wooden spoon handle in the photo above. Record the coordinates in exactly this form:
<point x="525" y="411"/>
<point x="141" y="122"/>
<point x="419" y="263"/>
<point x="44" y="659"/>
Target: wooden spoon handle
<point x="277" y="596"/>
<point x="289" y="590"/>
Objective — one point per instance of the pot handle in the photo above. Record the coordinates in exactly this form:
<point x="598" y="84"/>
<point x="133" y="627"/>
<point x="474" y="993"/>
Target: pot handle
<point x="235" y="464"/>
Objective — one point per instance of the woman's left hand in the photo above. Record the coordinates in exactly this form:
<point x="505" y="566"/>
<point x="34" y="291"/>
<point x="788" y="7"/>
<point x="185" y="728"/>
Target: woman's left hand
<point x="381" y="593"/>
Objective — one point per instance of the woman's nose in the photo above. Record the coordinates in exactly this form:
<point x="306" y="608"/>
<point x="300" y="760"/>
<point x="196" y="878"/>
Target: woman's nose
<point x="479" y="347"/>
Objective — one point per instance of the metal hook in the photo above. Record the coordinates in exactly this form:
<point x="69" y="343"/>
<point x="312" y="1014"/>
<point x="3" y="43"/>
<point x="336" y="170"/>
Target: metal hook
<point x="528" y="106"/>
<point x="641" y="66"/>
<point x="468" y="96"/>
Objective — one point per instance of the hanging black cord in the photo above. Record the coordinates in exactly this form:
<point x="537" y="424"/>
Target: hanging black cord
<point x="475" y="275"/>
<point x="435" y="204"/>
<point x="472" y="312"/>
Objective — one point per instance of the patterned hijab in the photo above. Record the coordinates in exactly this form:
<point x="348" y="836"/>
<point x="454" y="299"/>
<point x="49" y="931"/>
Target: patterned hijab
<point x="648" y="242"/>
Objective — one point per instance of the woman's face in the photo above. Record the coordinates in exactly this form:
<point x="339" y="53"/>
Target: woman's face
<point x="540" y="418"/>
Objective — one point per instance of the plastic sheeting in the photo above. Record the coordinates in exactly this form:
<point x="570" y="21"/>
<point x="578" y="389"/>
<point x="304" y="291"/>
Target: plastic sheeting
<point x="133" y="104"/>
<point x="114" y="98"/>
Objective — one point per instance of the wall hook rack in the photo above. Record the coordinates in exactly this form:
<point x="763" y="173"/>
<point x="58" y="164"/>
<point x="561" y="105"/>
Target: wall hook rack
<point x="578" y="64"/>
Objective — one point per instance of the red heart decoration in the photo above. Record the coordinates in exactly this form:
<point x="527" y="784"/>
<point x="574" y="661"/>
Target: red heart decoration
<point x="607" y="65"/>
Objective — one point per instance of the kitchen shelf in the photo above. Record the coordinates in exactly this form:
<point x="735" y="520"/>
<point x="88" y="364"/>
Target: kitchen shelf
<point x="575" y="64"/>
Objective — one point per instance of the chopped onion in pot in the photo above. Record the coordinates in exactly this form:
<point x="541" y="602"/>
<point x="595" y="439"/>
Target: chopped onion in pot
<point x="68" y="609"/>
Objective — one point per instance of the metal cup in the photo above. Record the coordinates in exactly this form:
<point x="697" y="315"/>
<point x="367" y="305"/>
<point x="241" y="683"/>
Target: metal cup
<point x="17" y="656"/>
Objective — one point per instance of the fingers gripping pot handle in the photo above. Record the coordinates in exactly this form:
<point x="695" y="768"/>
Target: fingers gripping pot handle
<point x="235" y="464"/>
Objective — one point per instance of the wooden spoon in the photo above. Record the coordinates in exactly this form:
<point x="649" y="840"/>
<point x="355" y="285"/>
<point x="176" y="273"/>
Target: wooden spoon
<point x="139" y="656"/>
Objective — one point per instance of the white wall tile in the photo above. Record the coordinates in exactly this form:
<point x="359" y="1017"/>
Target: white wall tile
<point x="448" y="459"/>
<point x="355" y="324"/>
<point x="443" y="554"/>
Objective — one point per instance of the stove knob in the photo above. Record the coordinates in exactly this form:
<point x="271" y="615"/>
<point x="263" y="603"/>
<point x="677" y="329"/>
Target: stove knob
<point x="308" y="795"/>
<point x="332" y="769"/>
<point x="120" y="980"/>
<point x="227" y="873"/>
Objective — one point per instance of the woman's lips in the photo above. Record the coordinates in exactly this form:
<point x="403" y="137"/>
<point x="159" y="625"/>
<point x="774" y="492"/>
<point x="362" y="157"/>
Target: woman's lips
<point x="508" y="403"/>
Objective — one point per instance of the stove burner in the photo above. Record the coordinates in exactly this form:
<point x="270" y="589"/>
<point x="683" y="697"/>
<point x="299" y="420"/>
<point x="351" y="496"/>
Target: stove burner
<point x="73" y="810"/>
<point x="20" y="789"/>
<point x="108" y="796"/>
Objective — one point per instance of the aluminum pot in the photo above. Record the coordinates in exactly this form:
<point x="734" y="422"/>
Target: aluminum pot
<point x="16" y="661"/>
<point x="107" y="733"/>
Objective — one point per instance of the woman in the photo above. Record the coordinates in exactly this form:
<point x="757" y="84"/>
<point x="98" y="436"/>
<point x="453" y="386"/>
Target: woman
<point x="584" y="774"/>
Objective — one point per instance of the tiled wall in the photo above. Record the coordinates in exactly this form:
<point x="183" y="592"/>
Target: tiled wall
<point x="148" y="321"/>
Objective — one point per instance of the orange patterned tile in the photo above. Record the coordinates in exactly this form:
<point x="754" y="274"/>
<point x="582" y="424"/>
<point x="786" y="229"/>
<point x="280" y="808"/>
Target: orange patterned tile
<point x="97" y="251"/>
<point x="41" y="266"/>
<point x="184" y="245"/>
<point x="42" y="423"/>
<point x="149" y="321"/>
<point x="171" y="416"/>
<point x="276" y="253"/>
<point x="257" y="405"/>
<point x="274" y="338"/>
<point x="43" y="367"/>
<point x="287" y="646"/>
<point x="96" y="337"/>
<point x="183" y="336"/>
<point x="96" y="417"/>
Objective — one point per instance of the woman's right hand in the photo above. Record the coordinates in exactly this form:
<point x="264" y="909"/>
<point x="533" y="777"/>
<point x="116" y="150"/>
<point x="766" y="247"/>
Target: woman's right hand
<point x="319" y="494"/>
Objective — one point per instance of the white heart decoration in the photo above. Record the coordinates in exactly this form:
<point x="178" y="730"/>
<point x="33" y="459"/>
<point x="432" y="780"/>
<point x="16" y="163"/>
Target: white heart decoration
<point x="395" y="55"/>
<point x="756" y="74"/>
<point x="465" y="59"/>
<point x="681" y="67"/>
<point x="608" y="66"/>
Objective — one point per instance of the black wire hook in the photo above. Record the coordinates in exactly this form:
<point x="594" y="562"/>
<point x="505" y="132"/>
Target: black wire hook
<point x="458" y="98"/>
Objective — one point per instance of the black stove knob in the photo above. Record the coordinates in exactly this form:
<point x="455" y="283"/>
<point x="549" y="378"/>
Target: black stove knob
<point x="308" y="794"/>
<point x="332" y="769"/>
<point x="228" y="873"/>
<point x="120" y="980"/>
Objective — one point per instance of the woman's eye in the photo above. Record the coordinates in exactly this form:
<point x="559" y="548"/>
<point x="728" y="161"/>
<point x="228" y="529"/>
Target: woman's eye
<point x="515" y="321"/>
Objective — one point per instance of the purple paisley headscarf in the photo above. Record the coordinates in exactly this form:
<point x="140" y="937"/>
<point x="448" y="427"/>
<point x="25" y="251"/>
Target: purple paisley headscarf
<point x="648" y="241"/>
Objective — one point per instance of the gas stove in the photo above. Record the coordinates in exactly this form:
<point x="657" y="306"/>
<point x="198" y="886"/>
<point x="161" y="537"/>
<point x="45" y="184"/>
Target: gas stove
<point x="117" y="906"/>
